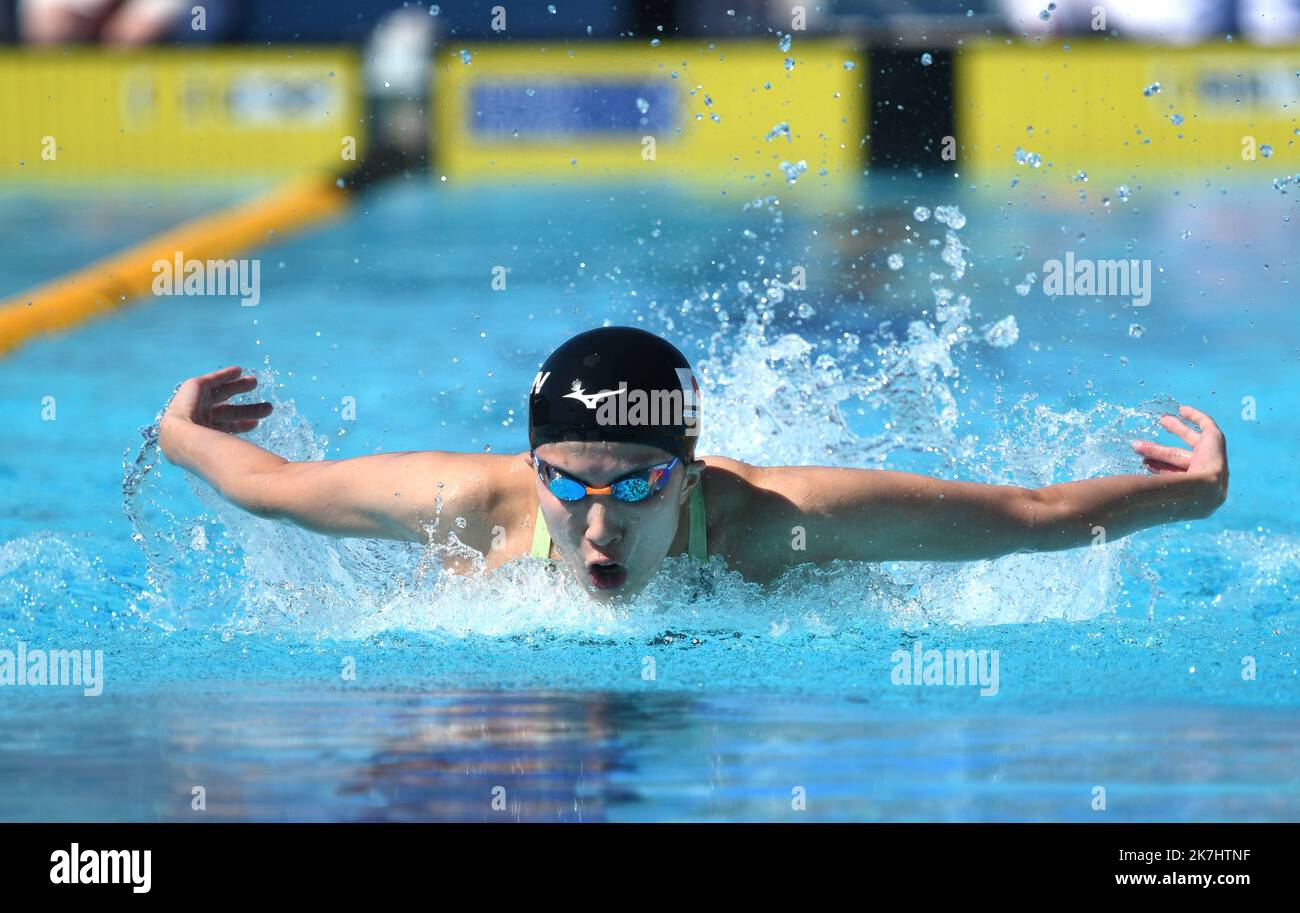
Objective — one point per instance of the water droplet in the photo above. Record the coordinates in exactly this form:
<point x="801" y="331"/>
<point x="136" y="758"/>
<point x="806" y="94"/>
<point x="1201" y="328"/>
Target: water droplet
<point x="464" y="56"/>
<point x="784" y="44"/>
<point x="1153" y="89"/>
<point x="920" y="213"/>
<point x="1003" y="334"/>
<point x="1032" y="159"/>
<point x="781" y="129"/>
<point x="950" y="216"/>
<point x="1176" y="119"/>
<point x="926" y="59"/>
<point x="895" y="261"/>
<point x="1266" y="150"/>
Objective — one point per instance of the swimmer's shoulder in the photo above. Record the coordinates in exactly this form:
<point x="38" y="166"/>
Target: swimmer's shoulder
<point x="753" y="515"/>
<point x="489" y="491"/>
<point x="726" y="484"/>
<point x="734" y="496"/>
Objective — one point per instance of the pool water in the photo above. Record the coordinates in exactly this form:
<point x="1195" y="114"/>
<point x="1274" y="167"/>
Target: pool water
<point x="1158" y="673"/>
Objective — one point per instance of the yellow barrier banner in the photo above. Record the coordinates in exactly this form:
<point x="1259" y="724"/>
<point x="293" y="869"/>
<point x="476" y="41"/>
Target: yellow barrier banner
<point x="1107" y="106"/>
<point x="740" y="115"/>
<point x="73" y="114"/>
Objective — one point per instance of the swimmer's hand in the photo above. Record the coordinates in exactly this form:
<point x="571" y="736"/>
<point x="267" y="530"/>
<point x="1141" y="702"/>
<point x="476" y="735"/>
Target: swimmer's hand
<point x="1207" y="460"/>
<point x="202" y="400"/>
<point x="198" y="433"/>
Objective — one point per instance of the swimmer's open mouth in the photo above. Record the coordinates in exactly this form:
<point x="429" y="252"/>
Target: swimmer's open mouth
<point x="606" y="575"/>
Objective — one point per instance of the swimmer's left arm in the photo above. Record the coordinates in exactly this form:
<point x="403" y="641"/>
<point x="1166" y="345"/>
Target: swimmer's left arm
<point x="818" y="514"/>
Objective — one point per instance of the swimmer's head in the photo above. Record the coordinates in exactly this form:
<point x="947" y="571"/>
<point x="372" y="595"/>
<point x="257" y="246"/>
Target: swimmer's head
<point x="612" y="405"/>
<point x="616" y="384"/>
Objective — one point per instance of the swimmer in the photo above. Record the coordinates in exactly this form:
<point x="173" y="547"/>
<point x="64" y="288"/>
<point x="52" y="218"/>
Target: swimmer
<point x="611" y="483"/>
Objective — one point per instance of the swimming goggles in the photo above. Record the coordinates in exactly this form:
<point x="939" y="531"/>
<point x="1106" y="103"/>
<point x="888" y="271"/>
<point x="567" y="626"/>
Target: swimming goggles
<point x="635" y="486"/>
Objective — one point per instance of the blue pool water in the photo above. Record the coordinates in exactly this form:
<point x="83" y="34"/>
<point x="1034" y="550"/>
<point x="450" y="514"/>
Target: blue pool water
<point x="224" y="636"/>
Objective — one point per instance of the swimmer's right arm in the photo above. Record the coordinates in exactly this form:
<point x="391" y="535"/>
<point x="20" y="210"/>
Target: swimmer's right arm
<point x="387" y="496"/>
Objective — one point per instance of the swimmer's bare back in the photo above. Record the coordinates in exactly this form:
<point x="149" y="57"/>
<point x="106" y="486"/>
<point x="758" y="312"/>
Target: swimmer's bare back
<point x="761" y="520"/>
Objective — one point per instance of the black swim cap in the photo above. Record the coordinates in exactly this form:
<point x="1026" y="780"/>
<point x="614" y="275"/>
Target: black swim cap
<point x="616" y="384"/>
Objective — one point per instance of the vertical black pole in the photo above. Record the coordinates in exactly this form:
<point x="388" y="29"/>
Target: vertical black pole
<point x="910" y="111"/>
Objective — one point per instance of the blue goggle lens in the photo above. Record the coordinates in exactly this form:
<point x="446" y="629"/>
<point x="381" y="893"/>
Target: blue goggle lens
<point x="631" y="490"/>
<point x="566" y="489"/>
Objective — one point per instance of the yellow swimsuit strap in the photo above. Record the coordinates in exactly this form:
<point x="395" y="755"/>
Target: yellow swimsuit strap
<point x="698" y="544"/>
<point x="697" y="547"/>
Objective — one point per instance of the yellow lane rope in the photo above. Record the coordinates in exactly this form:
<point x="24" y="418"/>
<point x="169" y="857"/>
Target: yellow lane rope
<point x="121" y="279"/>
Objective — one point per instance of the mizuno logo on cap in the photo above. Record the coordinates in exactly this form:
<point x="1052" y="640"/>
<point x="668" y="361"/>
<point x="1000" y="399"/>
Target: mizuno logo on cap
<point x="591" y="400"/>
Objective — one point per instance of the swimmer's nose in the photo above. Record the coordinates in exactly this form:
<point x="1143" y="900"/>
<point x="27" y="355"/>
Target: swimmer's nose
<point x="603" y="528"/>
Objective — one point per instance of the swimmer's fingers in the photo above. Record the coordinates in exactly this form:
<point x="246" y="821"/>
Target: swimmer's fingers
<point x="192" y="398"/>
<point x="1196" y="415"/>
<point x="223" y="391"/>
<point x="237" y="419"/>
<point x="191" y="393"/>
<point x="1174" y="426"/>
<point x="239" y="427"/>
<point x="219" y="377"/>
<point x="234" y="413"/>
<point x="1158" y="467"/>
<point x="1174" y="457"/>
